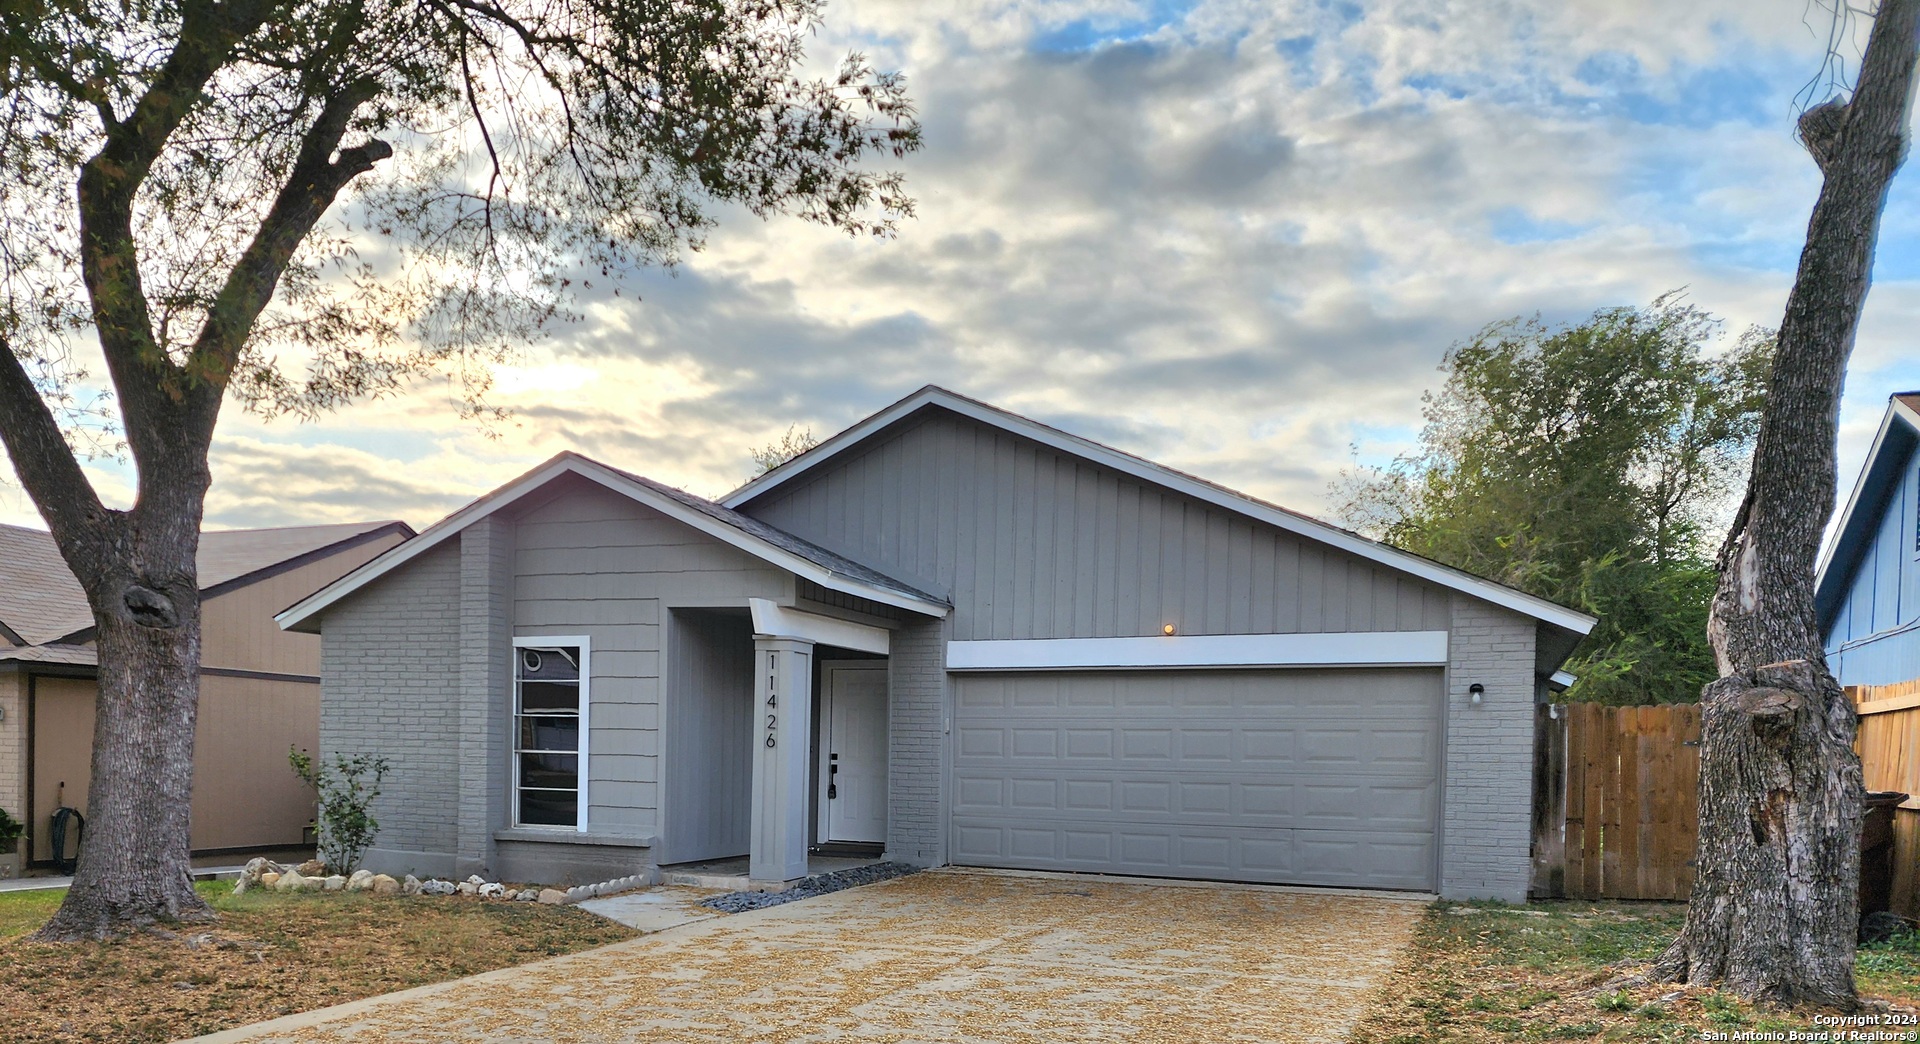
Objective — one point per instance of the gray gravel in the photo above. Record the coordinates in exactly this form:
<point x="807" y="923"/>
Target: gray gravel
<point x="821" y="884"/>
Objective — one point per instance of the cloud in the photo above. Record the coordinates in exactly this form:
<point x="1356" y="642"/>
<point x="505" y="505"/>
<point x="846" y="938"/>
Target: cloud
<point x="1232" y="235"/>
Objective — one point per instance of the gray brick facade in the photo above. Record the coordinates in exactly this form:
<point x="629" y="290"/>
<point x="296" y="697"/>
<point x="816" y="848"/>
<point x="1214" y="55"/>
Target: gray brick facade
<point x="1485" y="832"/>
<point x="390" y="683"/>
<point x="486" y="649"/>
<point x="917" y="744"/>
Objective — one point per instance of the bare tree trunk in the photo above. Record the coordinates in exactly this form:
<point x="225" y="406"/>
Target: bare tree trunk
<point x="142" y="776"/>
<point x="1775" y="904"/>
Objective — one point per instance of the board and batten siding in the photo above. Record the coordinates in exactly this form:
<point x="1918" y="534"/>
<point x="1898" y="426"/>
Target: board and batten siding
<point x="591" y="562"/>
<point x="709" y="788"/>
<point x="1031" y="543"/>
<point x="1875" y="638"/>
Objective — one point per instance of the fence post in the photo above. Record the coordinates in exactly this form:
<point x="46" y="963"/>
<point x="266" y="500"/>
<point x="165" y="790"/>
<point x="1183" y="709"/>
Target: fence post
<point x="1549" y="801"/>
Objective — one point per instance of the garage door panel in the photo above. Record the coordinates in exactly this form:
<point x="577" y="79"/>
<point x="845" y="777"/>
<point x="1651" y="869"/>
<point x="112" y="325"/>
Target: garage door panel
<point x="1311" y="777"/>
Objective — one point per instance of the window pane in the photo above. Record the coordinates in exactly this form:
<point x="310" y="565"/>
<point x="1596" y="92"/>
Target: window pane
<point x="550" y="770"/>
<point x="555" y="664"/>
<point x="549" y="733"/>
<point x="549" y="807"/>
<point x="549" y="696"/>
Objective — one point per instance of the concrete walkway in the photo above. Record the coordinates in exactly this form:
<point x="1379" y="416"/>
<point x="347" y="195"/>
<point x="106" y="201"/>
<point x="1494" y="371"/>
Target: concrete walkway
<point x="939" y="956"/>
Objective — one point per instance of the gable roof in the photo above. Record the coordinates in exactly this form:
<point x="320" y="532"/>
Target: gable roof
<point x="1898" y="435"/>
<point x="751" y="535"/>
<point x="41" y="602"/>
<point x="932" y="397"/>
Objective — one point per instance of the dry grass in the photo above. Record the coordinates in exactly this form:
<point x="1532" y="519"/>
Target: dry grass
<point x="1483" y="974"/>
<point x="268" y="955"/>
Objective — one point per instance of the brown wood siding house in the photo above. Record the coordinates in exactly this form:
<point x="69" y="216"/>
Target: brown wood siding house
<point x="259" y="685"/>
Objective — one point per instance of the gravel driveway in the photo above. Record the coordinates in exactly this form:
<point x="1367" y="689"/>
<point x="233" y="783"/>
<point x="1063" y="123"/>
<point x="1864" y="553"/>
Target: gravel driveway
<point x="939" y="956"/>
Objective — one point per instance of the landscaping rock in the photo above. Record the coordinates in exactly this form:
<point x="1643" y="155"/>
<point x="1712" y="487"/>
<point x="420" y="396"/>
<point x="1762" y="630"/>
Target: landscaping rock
<point x="551" y="896"/>
<point x="258" y="866"/>
<point x="736" y="902"/>
<point x="334" y="883"/>
<point x="269" y="879"/>
<point x="291" y="881"/>
<point x="467" y="887"/>
<point x="526" y="895"/>
<point x="313" y="868"/>
<point x="437" y="887"/>
<point x="410" y="885"/>
<point x="492" y="891"/>
<point x="240" y="886"/>
<point x="384" y="885"/>
<point x="360" y="881"/>
<point x="476" y="880"/>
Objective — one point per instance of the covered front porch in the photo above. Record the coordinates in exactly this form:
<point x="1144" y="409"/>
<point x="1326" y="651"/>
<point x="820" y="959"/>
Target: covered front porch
<point x="776" y="758"/>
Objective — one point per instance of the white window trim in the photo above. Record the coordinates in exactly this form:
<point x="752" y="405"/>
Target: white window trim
<point x="1332" y="649"/>
<point x="586" y="703"/>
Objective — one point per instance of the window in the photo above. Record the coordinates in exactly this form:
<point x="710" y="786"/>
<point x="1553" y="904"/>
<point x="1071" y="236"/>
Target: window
<point x="549" y="732"/>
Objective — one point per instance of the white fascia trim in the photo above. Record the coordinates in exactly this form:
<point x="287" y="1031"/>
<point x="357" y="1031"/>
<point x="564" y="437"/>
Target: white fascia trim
<point x="771" y="620"/>
<point x="1895" y="408"/>
<point x="1564" y="679"/>
<point x="441" y="531"/>
<point x="1147" y="471"/>
<point x="586" y="704"/>
<point x="1339" y="649"/>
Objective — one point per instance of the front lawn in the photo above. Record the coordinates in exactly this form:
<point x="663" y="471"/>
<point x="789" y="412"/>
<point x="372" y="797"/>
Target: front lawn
<point x="1537" y="973"/>
<point x="269" y="955"/>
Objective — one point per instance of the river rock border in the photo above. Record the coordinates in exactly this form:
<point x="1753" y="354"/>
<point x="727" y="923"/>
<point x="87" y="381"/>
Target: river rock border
<point x="806" y="888"/>
<point x="312" y="876"/>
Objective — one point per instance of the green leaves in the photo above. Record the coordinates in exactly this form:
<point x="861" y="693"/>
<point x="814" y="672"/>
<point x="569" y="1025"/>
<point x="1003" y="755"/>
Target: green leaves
<point x="346" y="790"/>
<point x="1590" y="464"/>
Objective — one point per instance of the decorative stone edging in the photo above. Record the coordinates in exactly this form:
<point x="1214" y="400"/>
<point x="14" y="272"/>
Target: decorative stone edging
<point x="806" y="888"/>
<point x="311" y="876"/>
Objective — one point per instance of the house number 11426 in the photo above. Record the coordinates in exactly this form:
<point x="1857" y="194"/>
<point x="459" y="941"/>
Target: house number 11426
<point x="773" y="698"/>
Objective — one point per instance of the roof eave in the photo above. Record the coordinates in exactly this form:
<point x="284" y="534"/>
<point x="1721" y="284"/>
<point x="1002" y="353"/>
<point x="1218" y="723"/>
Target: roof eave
<point x="304" y="615"/>
<point x="1138" y="467"/>
<point x="1837" y="558"/>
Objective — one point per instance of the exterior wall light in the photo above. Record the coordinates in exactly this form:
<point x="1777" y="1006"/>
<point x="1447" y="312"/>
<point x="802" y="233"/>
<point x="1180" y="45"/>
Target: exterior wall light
<point x="1475" y="692"/>
<point x="1167" y="630"/>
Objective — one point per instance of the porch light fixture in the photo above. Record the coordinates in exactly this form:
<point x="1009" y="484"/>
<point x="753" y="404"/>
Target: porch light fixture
<point x="1167" y="630"/>
<point x="1475" y="692"/>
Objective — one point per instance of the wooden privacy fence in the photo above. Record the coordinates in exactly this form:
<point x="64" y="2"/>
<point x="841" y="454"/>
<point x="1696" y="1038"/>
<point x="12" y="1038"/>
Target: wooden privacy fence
<point x="1616" y="791"/>
<point x="1614" y="800"/>
<point x="1889" y="747"/>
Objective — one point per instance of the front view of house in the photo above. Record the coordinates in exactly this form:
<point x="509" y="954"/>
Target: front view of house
<point x="952" y="634"/>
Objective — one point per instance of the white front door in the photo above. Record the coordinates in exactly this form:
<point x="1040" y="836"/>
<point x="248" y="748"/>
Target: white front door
<point x="853" y="753"/>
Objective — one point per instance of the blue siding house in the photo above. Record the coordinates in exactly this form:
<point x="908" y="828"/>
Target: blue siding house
<point x="1868" y="591"/>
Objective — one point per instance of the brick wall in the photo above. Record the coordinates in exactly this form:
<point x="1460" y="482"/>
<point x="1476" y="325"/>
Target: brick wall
<point x="390" y="684"/>
<point x="486" y="648"/>
<point x="1489" y="772"/>
<point x="13" y="747"/>
<point x="917" y="744"/>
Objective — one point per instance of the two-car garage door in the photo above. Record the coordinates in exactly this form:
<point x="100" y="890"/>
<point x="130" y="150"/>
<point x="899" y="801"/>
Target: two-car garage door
<point x="1324" y="777"/>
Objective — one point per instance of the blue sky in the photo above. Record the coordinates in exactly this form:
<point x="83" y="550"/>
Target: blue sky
<point x="1234" y="236"/>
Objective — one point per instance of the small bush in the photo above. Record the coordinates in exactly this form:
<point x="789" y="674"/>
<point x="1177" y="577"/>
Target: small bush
<point x="1618" y="1000"/>
<point x="345" y="826"/>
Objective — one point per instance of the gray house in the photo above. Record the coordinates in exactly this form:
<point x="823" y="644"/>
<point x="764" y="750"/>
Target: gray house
<point x="949" y="634"/>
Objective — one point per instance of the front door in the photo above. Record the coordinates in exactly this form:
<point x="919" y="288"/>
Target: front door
<point x="853" y="753"/>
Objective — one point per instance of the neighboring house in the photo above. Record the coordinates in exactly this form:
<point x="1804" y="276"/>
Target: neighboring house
<point x="949" y="633"/>
<point x="259" y="686"/>
<point x="1868" y="592"/>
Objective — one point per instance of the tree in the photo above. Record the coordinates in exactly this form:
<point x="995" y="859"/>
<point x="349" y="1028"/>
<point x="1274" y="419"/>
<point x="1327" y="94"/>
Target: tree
<point x="795" y="442"/>
<point x="1775" y="906"/>
<point x="300" y="203"/>
<point x="1584" y="463"/>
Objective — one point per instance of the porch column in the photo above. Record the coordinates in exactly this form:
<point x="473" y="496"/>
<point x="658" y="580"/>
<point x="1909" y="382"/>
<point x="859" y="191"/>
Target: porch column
<point x="782" y="728"/>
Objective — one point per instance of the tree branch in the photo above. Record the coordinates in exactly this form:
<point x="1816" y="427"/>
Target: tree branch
<point x="311" y="187"/>
<point x="47" y="467"/>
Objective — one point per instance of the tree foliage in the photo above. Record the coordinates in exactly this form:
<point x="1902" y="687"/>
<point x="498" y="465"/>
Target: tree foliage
<point x="1588" y="464"/>
<point x="796" y="441"/>
<point x="345" y="826"/>
<point x="301" y="203"/>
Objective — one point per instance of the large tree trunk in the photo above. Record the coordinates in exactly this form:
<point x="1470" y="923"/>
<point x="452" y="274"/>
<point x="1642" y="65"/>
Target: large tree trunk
<point x="142" y="776"/>
<point x="1775" y="905"/>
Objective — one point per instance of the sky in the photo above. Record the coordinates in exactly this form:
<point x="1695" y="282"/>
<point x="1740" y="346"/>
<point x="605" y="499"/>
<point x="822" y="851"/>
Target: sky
<point x="1233" y="236"/>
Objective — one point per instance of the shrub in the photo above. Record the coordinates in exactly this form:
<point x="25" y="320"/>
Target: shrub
<point x="345" y="825"/>
<point x="10" y="831"/>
